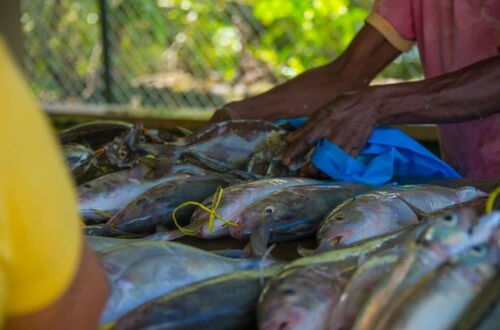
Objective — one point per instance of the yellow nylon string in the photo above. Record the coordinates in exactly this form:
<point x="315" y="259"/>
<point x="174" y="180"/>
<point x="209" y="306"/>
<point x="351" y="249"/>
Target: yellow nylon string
<point x="212" y="211"/>
<point x="107" y="326"/>
<point x="491" y="200"/>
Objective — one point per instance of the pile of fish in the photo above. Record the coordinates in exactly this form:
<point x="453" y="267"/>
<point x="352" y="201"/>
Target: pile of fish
<point x="420" y="256"/>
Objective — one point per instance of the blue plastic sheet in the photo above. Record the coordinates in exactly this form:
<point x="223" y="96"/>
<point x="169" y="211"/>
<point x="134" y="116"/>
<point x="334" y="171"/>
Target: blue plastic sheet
<point x="389" y="155"/>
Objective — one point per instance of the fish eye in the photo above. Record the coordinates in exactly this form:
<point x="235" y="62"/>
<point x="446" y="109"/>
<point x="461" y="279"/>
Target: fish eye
<point x="340" y="216"/>
<point x="122" y="154"/>
<point x="269" y="210"/>
<point x="114" y="147"/>
<point x="450" y="219"/>
<point x="479" y="250"/>
<point x="142" y="139"/>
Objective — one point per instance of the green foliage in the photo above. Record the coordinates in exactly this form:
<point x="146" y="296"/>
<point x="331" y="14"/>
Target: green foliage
<point x="187" y="53"/>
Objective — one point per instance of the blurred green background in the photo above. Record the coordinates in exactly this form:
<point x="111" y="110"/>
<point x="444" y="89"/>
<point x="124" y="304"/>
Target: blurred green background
<point x="185" y="56"/>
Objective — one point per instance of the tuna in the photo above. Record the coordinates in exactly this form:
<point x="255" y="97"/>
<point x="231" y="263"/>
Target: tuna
<point x="100" y="198"/>
<point x="294" y="212"/>
<point x="300" y="297"/>
<point x="144" y="270"/>
<point x="234" y="201"/>
<point x="384" y="211"/>
<point x="155" y="206"/>
<point x="225" y="302"/>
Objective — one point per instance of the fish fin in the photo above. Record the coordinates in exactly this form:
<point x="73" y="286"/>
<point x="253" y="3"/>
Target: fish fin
<point x="244" y="175"/>
<point x="165" y="235"/>
<point x="102" y="213"/>
<point x="304" y="252"/>
<point x="235" y="254"/>
<point x="418" y="212"/>
<point x="204" y="161"/>
<point x="262" y="263"/>
<point x="323" y="246"/>
<point x="260" y="238"/>
<point x="184" y="131"/>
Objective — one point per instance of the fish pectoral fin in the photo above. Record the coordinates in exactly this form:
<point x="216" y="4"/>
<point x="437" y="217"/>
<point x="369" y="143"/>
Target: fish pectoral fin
<point x="418" y="212"/>
<point x="102" y="213"/>
<point x="304" y="252"/>
<point x="184" y="131"/>
<point x="260" y="238"/>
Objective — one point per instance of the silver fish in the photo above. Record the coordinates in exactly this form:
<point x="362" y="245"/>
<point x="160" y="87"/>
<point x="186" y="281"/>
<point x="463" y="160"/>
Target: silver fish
<point x="448" y="236"/>
<point x="300" y="297"/>
<point x="294" y="212"/>
<point x="225" y="302"/>
<point x="154" y="207"/>
<point x="360" y="286"/>
<point x="438" y="301"/>
<point x="144" y="270"/>
<point x="110" y="193"/>
<point x="384" y="211"/>
<point x="236" y="198"/>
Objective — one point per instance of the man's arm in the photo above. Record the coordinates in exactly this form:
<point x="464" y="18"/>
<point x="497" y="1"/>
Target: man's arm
<point x="78" y="308"/>
<point x="366" y="56"/>
<point x="469" y="93"/>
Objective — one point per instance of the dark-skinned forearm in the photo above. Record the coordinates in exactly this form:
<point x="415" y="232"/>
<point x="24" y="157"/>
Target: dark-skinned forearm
<point x="365" y="57"/>
<point x="466" y="94"/>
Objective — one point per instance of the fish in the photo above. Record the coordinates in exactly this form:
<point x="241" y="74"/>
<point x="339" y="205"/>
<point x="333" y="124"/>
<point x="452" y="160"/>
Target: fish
<point x="235" y="199"/>
<point x="123" y="151"/>
<point x="225" y="302"/>
<point x="491" y="320"/>
<point x="267" y="162"/>
<point x="228" y="144"/>
<point x="481" y="184"/>
<point x="144" y="270"/>
<point x="360" y="286"/>
<point x="294" y="212"/>
<point x="94" y="134"/>
<point x="387" y="210"/>
<point x="300" y="297"/>
<point x="439" y="300"/>
<point x="363" y="249"/>
<point x="79" y="159"/>
<point x="77" y="156"/>
<point x="101" y="198"/>
<point x="447" y="237"/>
<point x="97" y="243"/>
<point x="484" y="310"/>
<point x="155" y="206"/>
<point x="101" y="230"/>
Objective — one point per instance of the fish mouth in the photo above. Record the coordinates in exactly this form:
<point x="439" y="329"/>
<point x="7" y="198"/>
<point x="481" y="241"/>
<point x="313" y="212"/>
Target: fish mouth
<point x="291" y="322"/>
<point x="335" y="241"/>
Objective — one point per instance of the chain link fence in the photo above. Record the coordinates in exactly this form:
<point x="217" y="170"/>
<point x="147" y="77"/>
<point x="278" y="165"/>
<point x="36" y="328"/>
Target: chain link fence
<point x="183" y="54"/>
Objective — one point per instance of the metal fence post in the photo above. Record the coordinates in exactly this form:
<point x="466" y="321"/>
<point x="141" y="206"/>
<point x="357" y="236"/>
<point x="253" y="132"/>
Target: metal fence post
<point x="106" y="52"/>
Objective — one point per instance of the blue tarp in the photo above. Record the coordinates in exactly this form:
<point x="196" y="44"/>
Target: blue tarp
<point x="389" y="155"/>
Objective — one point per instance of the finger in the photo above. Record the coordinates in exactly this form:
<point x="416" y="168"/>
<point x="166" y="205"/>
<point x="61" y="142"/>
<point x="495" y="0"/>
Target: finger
<point x="309" y="125"/>
<point x="309" y="170"/>
<point x="355" y="145"/>
<point x="294" y="136"/>
<point x="294" y="150"/>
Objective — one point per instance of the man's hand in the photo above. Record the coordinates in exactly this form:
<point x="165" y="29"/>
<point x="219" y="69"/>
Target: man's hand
<point x="348" y="122"/>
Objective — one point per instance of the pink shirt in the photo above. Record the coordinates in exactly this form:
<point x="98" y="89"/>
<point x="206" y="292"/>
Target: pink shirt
<point x="450" y="34"/>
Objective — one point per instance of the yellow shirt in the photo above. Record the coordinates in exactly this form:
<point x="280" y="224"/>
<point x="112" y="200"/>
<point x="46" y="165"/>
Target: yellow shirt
<point x="40" y="232"/>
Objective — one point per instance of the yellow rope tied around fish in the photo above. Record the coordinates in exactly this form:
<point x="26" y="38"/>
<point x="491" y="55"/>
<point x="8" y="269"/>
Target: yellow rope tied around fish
<point x="491" y="200"/>
<point x="212" y="211"/>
